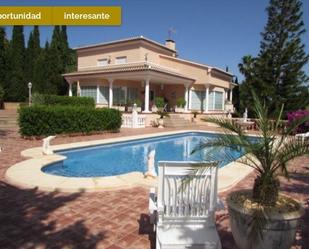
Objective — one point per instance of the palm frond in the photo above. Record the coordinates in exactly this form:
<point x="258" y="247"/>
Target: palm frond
<point x="289" y="150"/>
<point x="226" y="124"/>
<point x="195" y="170"/>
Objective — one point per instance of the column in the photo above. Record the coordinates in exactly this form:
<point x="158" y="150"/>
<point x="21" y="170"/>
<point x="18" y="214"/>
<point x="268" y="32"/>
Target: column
<point x="207" y="98"/>
<point x="223" y="103"/>
<point x="190" y="107"/>
<point x="125" y="94"/>
<point x="78" y="89"/>
<point x="186" y="98"/>
<point x="146" y="109"/>
<point x="110" y="95"/>
<point x="231" y="95"/>
<point x="98" y="94"/>
<point x="70" y="89"/>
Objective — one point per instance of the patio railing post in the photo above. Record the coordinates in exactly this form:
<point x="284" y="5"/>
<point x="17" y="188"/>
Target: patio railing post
<point x="110" y="95"/>
<point x="206" y="98"/>
<point x="70" y="89"/>
<point x="186" y="98"/>
<point x="146" y="108"/>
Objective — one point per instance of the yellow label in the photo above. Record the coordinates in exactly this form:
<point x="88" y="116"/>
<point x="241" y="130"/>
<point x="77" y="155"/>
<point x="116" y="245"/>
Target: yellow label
<point x="64" y="15"/>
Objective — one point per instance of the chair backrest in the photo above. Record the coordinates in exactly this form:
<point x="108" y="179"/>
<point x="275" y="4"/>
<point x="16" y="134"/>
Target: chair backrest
<point x="187" y="191"/>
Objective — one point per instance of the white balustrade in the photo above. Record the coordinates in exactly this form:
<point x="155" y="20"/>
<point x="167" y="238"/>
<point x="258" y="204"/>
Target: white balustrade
<point x="127" y="121"/>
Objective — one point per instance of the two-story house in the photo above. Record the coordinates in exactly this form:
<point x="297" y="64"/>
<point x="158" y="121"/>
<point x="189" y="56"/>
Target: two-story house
<point x="124" y="71"/>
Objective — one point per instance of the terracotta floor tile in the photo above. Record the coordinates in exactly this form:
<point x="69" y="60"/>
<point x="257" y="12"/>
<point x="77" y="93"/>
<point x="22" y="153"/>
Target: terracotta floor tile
<point x="108" y="219"/>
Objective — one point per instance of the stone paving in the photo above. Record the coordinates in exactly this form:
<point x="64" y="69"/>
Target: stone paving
<point x="109" y="219"/>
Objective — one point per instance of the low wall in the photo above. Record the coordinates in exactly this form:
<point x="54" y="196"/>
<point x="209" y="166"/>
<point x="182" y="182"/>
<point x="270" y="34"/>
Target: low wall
<point x="11" y="105"/>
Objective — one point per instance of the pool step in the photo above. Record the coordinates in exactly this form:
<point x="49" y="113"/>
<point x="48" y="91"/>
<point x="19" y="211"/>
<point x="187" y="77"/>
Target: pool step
<point x="177" y="121"/>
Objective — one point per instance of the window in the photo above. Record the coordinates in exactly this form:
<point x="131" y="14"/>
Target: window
<point x="197" y="100"/>
<point x="131" y="95"/>
<point x="215" y="101"/>
<point x="121" y="60"/>
<point x="104" y="95"/>
<point x="119" y="96"/>
<point x="211" y="100"/>
<point x="89" y="91"/>
<point x="218" y="101"/>
<point x="102" y="62"/>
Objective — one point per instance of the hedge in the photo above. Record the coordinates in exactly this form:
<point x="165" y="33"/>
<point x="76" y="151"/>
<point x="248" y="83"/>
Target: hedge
<point x="41" y="121"/>
<point x="51" y="100"/>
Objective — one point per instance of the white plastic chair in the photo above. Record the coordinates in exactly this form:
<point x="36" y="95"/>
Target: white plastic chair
<point x="184" y="211"/>
<point x="303" y="136"/>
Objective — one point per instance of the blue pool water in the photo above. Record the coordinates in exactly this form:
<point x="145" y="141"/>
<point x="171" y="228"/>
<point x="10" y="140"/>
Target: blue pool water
<point x="124" y="157"/>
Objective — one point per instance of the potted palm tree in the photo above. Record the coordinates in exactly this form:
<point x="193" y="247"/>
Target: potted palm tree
<point x="261" y="217"/>
<point x="159" y="102"/>
<point x="180" y="104"/>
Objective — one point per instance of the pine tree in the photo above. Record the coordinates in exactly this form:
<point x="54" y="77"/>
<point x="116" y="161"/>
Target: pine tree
<point x="52" y="69"/>
<point x="2" y="57"/>
<point x="236" y="100"/>
<point x="17" y="82"/>
<point x="29" y="58"/>
<point x="57" y="57"/>
<point x="276" y="74"/>
<point x="33" y="52"/>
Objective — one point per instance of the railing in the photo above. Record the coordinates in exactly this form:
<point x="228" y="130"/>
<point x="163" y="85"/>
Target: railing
<point x="251" y="124"/>
<point x="127" y="121"/>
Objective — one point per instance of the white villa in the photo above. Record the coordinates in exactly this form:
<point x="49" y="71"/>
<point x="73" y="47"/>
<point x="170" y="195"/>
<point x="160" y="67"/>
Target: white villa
<point x="138" y="69"/>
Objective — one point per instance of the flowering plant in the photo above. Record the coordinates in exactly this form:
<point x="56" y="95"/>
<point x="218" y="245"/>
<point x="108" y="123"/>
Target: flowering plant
<point x="296" y="115"/>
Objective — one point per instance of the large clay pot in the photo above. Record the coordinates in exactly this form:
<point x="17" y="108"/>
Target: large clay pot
<point x="161" y="123"/>
<point x="278" y="231"/>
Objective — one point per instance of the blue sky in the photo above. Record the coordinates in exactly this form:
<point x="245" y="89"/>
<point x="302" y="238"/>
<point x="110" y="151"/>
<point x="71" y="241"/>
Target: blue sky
<point x="214" y="32"/>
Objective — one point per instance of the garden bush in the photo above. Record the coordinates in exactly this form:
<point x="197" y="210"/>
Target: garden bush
<point x="52" y="100"/>
<point x="181" y="102"/>
<point x="292" y="116"/>
<point x="41" y="121"/>
<point x="159" y="102"/>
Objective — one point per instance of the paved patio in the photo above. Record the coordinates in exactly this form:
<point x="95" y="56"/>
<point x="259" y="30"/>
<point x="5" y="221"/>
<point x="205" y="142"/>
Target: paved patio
<point x="108" y="219"/>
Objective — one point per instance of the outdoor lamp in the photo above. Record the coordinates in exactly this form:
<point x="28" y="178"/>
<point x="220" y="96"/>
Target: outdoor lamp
<point x="29" y="86"/>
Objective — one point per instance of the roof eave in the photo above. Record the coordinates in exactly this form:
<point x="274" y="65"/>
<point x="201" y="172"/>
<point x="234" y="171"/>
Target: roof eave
<point x="124" y="41"/>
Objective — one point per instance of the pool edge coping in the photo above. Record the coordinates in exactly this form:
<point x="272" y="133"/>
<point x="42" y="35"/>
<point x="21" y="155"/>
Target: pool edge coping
<point x="29" y="174"/>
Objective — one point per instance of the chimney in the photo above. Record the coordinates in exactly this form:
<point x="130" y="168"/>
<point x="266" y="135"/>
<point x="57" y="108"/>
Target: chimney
<point x="169" y="43"/>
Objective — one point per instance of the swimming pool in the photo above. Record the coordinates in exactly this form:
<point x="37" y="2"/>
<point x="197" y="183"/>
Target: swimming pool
<point x="124" y="157"/>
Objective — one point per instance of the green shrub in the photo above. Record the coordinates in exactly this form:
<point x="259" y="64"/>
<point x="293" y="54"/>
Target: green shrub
<point x="181" y="102"/>
<point x="159" y="102"/>
<point x="51" y="100"/>
<point x="1" y="97"/>
<point x="50" y="120"/>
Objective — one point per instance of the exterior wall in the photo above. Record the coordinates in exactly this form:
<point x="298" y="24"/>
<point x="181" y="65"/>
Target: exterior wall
<point x="219" y="79"/>
<point x="173" y="92"/>
<point x="153" y="54"/>
<point x="198" y="73"/>
<point x="89" y="58"/>
<point x="135" y="52"/>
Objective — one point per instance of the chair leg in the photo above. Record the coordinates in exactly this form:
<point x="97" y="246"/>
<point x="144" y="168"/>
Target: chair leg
<point x="157" y="243"/>
<point x="219" y="245"/>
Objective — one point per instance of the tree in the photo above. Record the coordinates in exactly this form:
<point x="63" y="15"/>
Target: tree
<point x="268" y="155"/>
<point x="50" y="72"/>
<point x="277" y="74"/>
<point x="2" y="57"/>
<point x="61" y="58"/>
<point x="236" y="100"/>
<point x="33" y="51"/>
<point x="16" y="87"/>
